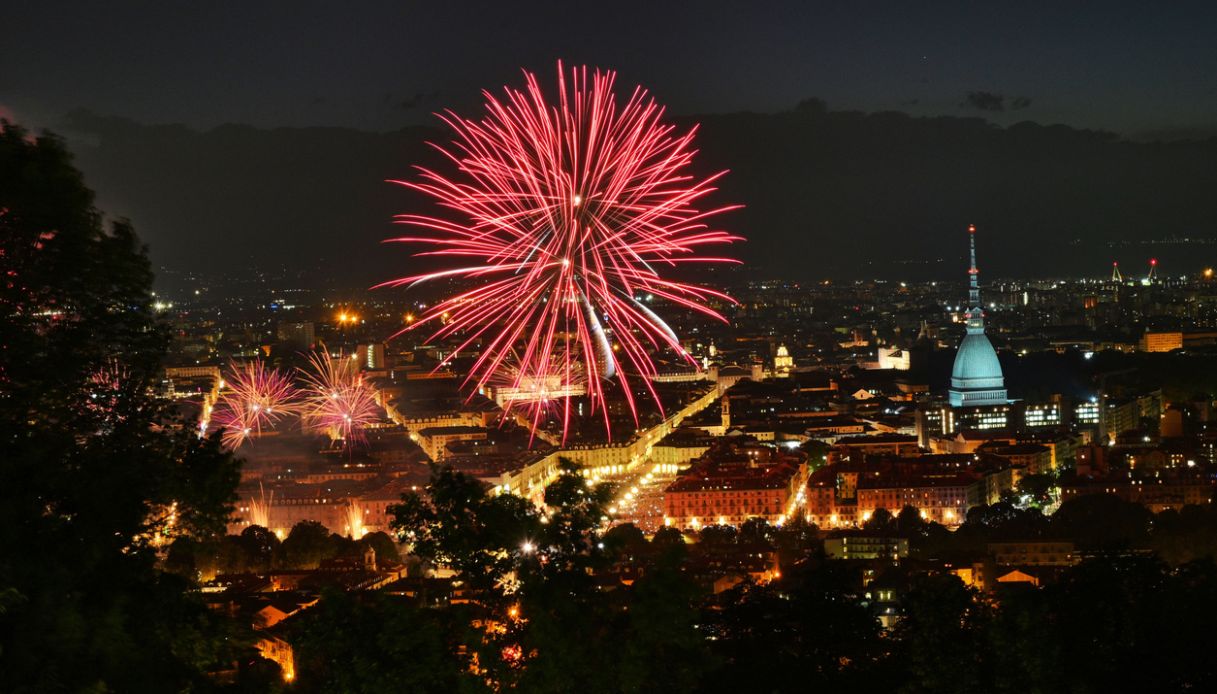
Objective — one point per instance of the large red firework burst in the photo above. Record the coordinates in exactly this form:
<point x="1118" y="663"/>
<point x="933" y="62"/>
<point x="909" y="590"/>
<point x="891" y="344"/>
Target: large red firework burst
<point x="564" y="214"/>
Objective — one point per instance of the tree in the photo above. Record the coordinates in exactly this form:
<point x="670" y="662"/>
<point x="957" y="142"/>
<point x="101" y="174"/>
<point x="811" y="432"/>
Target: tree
<point x="374" y="643"/>
<point x="624" y="540"/>
<point x="96" y="474"/>
<point x="1103" y="521"/>
<point x="260" y="546"/>
<point x="758" y="530"/>
<point x="880" y="521"/>
<point x="909" y="522"/>
<point x="1037" y="489"/>
<point x="453" y="522"/>
<point x="307" y="545"/>
<point x="717" y="535"/>
<point x="941" y="636"/>
<point x="805" y="632"/>
<point x="382" y="544"/>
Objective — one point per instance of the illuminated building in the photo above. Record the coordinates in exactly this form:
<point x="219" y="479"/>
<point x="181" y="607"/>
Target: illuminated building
<point x="1161" y="341"/>
<point x="935" y="419"/>
<point x="978" y="417"/>
<point x="434" y="440"/>
<point x="783" y="363"/>
<point x="1034" y="553"/>
<point x="976" y="377"/>
<point x="733" y="482"/>
<point x="942" y="498"/>
<point x="1046" y="414"/>
<point x="299" y="335"/>
<point x="941" y="487"/>
<point x="371" y="356"/>
<point x="1163" y="490"/>
<point x="894" y="358"/>
<point x="1033" y="457"/>
<point x="1087" y="412"/>
<point x="856" y="447"/>
<point x="866" y="547"/>
<point x="976" y="399"/>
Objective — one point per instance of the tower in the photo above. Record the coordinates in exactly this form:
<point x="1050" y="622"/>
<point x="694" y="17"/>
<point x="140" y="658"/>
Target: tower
<point x="1115" y="272"/>
<point x="783" y="363"/>
<point x="976" y="377"/>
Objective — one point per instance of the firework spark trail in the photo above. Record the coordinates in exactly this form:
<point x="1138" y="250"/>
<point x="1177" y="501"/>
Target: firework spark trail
<point x="354" y="515"/>
<point x="338" y="401"/>
<point x="563" y="215"/>
<point x="107" y="386"/>
<point x="256" y="397"/>
<point x="259" y="509"/>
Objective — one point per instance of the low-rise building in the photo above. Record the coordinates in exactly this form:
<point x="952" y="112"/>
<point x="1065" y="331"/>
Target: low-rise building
<point x="863" y="546"/>
<point x="1033" y="553"/>
<point x="736" y="480"/>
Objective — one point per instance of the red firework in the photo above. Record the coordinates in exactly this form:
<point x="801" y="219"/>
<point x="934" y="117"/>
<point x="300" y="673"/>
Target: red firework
<point x="107" y="387"/>
<point x="563" y="216"/>
<point x="338" y="400"/>
<point x="256" y="397"/>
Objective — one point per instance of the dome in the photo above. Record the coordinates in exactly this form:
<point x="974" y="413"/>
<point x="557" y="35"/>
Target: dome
<point x="976" y="364"/>
<point x="976" y="378"/>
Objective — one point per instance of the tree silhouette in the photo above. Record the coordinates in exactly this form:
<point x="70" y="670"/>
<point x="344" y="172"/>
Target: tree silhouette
<point x="96" y="474"/>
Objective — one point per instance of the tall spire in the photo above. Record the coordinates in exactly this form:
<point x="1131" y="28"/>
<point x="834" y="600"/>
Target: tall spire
<point x="975" y="316"/>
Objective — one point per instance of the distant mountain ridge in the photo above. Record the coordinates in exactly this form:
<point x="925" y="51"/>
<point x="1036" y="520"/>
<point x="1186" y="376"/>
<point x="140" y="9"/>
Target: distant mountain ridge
<point x="826" y="193"/>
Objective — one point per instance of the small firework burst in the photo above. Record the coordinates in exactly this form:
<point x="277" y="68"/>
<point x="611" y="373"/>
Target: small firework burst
<point x="338" y="401"/>
<point x="105" y="390"/>
<point x="256" y="398"/>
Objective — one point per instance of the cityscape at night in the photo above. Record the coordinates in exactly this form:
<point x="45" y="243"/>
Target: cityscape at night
<point x="680" y="348"/>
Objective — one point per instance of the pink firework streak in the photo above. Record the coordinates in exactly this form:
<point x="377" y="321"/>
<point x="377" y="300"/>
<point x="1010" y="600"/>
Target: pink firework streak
<point x="563" y="214"/>
<point x="338" y="401"/>
<point x="256" y="397"/>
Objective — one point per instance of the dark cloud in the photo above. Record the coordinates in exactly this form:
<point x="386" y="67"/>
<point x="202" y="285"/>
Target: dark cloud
<point x="994" y="102"/>
<point x="984" y="101"/>
<point x="812" y="105"/>
<point x="418" y="100"/>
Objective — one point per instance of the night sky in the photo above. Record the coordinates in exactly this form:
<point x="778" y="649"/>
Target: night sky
<point x="1143" y="70"/>
<point x="1121" y="66"/>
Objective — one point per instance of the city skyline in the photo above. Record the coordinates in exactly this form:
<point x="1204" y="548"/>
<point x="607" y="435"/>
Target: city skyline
<point x="706" y="348"/>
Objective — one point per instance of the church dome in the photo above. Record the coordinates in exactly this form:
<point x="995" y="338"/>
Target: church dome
<point x="976" y="365"/>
